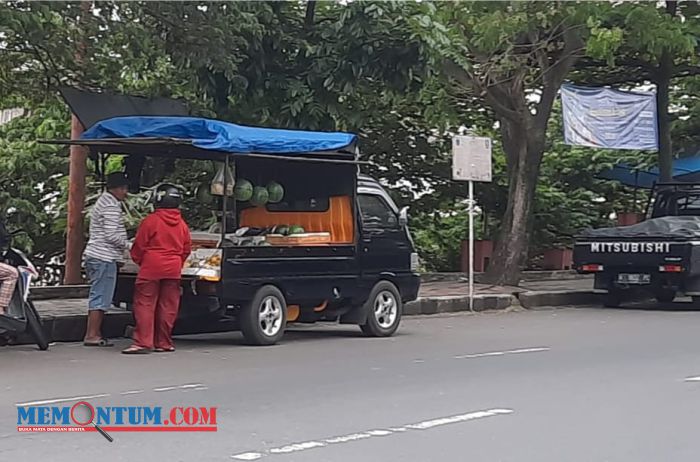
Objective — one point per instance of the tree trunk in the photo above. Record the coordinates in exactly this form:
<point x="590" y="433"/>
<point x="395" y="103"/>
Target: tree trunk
<point x="309" y="17"/>
<point x="665" y="154"/>
<point x="663" y="83"/>
<point x="524" y="148"/>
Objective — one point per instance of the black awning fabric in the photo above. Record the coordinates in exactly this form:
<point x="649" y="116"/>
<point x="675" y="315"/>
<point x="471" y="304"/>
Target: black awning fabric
<point x="92" y="107"/>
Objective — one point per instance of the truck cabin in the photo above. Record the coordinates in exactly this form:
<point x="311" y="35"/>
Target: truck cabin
<point x="674" y="199"/>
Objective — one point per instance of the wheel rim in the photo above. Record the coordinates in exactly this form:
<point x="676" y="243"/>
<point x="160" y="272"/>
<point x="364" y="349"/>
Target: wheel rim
<point x="385" y="309"/>
<point x="270" y="316"/>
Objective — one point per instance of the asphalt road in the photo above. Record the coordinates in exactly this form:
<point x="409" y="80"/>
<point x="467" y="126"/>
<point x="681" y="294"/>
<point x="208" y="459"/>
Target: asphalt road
<point x="564" y="385"/>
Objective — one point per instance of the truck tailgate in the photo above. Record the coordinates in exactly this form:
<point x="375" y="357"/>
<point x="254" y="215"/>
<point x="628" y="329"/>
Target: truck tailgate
<point x="632" y="253"/>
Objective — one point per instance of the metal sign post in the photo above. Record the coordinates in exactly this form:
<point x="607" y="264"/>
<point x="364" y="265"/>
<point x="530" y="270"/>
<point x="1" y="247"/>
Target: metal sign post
<point x="471" y="161"/>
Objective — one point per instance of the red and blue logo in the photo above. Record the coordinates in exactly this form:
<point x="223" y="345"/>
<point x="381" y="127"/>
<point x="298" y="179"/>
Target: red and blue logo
<point x="84" y="417"/>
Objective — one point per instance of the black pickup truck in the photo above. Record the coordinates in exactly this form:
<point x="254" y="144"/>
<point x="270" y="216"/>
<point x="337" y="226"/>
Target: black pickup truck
<point x="660" y="255"/>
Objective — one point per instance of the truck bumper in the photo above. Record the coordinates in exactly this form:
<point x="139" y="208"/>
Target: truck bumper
<point x="608" y="280"/>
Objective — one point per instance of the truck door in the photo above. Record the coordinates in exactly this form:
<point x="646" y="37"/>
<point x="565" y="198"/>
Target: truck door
<point x="383" y="246"/>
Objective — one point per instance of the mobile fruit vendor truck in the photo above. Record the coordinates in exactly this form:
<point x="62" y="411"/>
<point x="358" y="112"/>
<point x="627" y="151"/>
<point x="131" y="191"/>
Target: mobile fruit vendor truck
<point x="300" y="235"/>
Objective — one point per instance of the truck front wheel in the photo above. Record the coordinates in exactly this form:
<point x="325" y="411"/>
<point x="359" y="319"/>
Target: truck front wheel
<point x="264" y="319"/>
<point x="384" y="309"/>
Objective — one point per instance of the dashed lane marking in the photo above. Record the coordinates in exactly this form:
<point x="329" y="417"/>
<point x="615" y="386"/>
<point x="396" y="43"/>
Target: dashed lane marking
<point x="503" y="353"/>
<point x="377" y="433"/>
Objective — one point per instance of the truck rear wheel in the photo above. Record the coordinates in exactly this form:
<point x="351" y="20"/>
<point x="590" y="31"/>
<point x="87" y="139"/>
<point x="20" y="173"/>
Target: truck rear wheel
<point x="613" y="299"/>
<point x="665" y="295"/>
<point x="264" y="319"/>
<point x="384" y="309"/>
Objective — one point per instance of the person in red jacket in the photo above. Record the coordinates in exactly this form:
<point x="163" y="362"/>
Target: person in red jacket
<point x="161" y="248"/>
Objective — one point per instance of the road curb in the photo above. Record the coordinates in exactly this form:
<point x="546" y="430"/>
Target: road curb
<point x="71" y="328"/>
<point x="525" y="276"/>
<point x="51" y="292"/>
<point x="455" y="304"/>
<point x="537" y="299"/>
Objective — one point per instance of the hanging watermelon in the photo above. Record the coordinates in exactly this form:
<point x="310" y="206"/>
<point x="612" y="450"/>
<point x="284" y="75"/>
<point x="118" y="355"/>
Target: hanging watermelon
<point x="203" y="194"/>
<point x="260" y="196"/>
<point x="243" y="191"/>
<point x="275" y="191"/>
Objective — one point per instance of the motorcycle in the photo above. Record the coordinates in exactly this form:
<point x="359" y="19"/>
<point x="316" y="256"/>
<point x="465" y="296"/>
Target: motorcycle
<point x="21" y="315"/>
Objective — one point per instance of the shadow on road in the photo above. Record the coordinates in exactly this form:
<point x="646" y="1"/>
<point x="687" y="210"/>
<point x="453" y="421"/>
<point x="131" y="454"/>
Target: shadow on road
<point x="294" y="334"/>
<point x="651" y="305"/>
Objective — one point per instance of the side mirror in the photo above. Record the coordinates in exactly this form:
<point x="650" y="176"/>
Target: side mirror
<point x="403" y="217"/>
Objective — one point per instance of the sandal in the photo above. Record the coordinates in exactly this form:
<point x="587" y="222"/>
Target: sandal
<point x="103" y="342"/>
<point x="164" y="350"/>
<point x="134" y="350"/>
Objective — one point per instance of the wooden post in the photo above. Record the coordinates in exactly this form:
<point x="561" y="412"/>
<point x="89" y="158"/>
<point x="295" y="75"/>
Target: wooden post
<point x="75" y="234"/>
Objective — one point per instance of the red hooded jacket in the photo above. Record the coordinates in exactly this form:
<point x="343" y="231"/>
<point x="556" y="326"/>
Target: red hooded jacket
<point x="162" y="245"/>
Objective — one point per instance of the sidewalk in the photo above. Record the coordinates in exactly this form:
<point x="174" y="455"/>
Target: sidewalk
<point x="65" y="319"/>
<point x="77" y="306"/>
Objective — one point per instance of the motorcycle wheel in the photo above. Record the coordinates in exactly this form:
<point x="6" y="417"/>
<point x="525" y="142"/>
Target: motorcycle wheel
<point x="34" y="326"/>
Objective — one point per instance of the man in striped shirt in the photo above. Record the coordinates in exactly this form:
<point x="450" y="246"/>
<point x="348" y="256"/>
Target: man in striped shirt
<point x="105" y="249"/>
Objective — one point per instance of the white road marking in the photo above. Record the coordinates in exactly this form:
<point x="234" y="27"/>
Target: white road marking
<point x="297" y="447"/>
<point x="379" y="432"/>
<point x="425" y="425"/>
<point x="165" y="388"/>
<point x="458" y="418"/>
<point x="348" y="438"/>
<point x="502" y="353"/>
<point x="248" y="456"/>
<point x="131" y="392"/>
<point x="179" y="387"/>
<point x="61" y="400"/>
<point x="693" y="379"/>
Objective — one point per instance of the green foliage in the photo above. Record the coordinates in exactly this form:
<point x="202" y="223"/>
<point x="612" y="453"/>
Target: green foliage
<point x="376" y="68"/>
<point x="31" y="174"/>
<point x="643" y="31"/>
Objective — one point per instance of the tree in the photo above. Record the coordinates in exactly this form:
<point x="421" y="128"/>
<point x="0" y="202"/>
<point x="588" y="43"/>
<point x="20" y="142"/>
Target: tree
<point x="31" y="177"/>
<point x="633" y="43"/>
<point x="513" y="56"/>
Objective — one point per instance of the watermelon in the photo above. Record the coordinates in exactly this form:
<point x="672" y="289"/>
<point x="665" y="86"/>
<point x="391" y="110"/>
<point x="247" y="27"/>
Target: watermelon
<point x="204" y="195"/>
<point x="282" y="229"/>
<point x="243" y="191"/>
<point x="260" y="196"/>
<point x="276" y="191"/>
<point x="296" y="230"/>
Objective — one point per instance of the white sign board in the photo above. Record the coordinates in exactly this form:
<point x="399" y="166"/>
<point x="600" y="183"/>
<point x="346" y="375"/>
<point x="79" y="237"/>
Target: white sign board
<point x="471" y="158"/>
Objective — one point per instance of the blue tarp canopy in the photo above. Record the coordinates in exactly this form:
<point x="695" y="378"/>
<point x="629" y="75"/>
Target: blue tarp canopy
<point x="686" y="169"/>
<point x="216" y="135"/>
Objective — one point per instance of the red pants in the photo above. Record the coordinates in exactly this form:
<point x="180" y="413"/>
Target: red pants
<point x="156" y="304"/>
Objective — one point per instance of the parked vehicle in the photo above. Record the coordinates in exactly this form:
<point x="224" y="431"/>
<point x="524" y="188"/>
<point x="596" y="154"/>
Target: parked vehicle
<point x="21" y="315"/>
<point x="300" y="237"/>
<point x="660" y="255"/>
